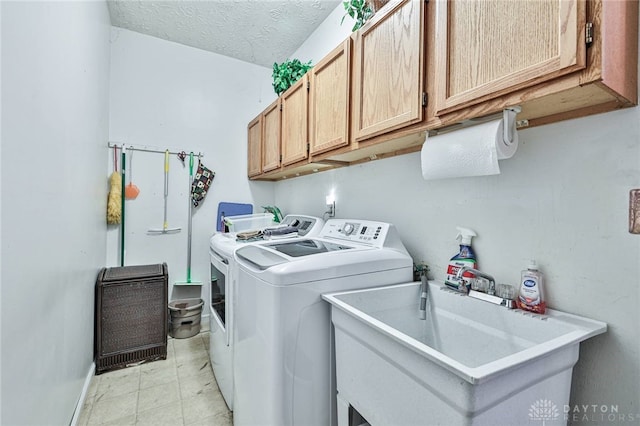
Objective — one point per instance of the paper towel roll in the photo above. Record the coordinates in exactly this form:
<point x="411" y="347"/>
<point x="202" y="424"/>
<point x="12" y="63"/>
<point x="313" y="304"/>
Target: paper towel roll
<point x="471" y="151"/>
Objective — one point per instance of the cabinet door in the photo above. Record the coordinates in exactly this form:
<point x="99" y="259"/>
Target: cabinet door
<point x="271" y="137"/>
<point x="388" y="69"/>
<point x="254" y="149"/>
<point x="329" y="100"/>
<point x="486" y="49"/>
<point x="294" y="122"/>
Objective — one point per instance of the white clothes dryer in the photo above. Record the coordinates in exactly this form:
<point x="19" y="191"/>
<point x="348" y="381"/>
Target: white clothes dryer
<point x="283" y="364"/>
<point x="221" y="320"/>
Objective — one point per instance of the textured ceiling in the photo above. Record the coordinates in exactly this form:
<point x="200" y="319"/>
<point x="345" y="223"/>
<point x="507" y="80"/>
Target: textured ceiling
<point x="257" y="31"/>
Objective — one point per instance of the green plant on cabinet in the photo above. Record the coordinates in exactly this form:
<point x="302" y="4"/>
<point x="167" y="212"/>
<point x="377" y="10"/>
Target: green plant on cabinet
<point x="287" y="73"/>
<point x="358" y="10"/>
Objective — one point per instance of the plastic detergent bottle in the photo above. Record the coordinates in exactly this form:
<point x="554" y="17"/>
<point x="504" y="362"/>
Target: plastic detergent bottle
<point x="465" y="257"/>
<point x="531" y="293"/>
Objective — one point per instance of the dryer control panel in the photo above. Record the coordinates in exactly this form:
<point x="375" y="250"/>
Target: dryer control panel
<point x="359" y="231"/>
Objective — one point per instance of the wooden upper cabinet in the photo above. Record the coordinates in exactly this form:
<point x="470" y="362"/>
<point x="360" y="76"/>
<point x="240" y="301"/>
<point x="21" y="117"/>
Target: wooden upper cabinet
<point x="329" y="100"/>
<point x="473" y="57"/>
<point x="485" y="49"/>
<point x="254" y="148"/>
<point x="271" y="128"/>
<point x="294" y="122"/>
<point x="388" y="69"/>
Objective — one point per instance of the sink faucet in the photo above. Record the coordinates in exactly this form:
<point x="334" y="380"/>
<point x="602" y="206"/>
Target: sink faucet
<point x="492" y="282"/>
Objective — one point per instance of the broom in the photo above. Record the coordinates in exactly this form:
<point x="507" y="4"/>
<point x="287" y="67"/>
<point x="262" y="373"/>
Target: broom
<point x="189" y="281"/>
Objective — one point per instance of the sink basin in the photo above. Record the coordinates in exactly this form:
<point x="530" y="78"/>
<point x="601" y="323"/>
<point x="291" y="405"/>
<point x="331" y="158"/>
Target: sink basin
<point x="469" y="362"/>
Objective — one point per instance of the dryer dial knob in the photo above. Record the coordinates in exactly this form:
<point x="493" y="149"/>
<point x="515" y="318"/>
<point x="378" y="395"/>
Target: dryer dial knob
<point x="348" y="228"/>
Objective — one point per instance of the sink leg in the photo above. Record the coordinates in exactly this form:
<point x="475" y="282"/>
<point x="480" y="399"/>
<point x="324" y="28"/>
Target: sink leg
<point x="343" y="411"/>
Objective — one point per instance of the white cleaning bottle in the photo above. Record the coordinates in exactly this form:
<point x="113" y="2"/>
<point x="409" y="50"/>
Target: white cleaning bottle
<point x="465" y="257"/>
<point x="531" y="293"/>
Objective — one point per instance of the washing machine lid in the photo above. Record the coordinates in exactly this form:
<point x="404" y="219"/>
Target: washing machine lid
<point x="263" y="259"/>
<point x="318" y="260"/>
<point x="307" y="247"/>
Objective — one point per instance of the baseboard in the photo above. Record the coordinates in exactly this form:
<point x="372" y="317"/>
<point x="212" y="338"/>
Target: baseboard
<point x="83" y="395"/>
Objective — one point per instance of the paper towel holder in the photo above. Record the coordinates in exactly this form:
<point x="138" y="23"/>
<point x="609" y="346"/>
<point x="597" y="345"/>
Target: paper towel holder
<point x="509" y="124"/>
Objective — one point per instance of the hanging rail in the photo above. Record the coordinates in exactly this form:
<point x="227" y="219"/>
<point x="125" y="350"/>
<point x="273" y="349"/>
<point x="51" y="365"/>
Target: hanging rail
<point x="145" y="148"/>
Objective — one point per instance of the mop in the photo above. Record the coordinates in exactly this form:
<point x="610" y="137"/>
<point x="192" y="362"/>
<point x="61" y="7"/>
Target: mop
<point x="165" y="225"/>
<point x="189" y="281"/>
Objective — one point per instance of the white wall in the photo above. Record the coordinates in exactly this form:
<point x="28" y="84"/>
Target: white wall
<point x="55" y="65"/>
<point x="327" y="37"/>
<point x="167" y="95"/>
<point x="563" y="200"/>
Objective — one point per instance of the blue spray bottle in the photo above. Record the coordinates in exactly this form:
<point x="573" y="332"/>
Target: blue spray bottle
<point x="465" y="257"/>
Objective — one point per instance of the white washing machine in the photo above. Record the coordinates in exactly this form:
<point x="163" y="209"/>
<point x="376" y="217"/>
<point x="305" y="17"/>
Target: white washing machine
<point x="221" y="322"/>
<point x="283" y="355"/>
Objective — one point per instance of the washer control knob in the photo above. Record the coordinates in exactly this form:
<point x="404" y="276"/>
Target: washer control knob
<point x="348" y="228"/>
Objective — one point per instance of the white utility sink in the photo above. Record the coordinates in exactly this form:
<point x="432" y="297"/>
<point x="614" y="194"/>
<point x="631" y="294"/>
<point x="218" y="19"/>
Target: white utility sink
<point x="470" y="362"/>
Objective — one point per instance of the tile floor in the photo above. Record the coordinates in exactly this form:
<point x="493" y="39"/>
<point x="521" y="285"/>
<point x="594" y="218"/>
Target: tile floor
<point x="180" y="390"/>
